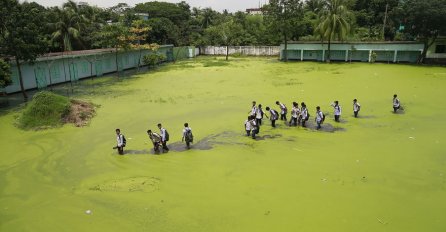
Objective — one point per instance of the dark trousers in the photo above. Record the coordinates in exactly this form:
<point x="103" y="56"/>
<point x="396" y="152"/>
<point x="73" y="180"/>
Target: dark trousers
<point x="156" y="146"/>
<point x="356" y="113"/>
<point x="395" y="109"/>
<point x="283" y="117"/>
<point x="318" y="125"/>
<point x="248" y="132"/>
<point x="259" y="121"/>
<point x="273" y="123"/>
<point x="165" y="148"/>
<point x="337" y="118"/>
<point x="254" y="132"/>
<point x="121" y="150"/>
<point x="303" y="122"/>
<point x="293" y="121"/>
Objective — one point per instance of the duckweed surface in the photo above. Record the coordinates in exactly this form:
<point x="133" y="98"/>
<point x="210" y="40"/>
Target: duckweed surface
<point x="379" y="172"/>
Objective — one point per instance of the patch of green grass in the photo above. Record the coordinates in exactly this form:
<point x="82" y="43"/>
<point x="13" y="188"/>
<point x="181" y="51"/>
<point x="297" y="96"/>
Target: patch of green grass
<point x="45" y="110"/>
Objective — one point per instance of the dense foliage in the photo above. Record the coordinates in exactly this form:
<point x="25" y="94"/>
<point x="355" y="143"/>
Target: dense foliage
<point x="78" y="27"/>
<point x="5" y="74"/>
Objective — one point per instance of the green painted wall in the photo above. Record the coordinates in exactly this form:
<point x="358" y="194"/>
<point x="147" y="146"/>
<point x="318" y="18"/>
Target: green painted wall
<point x="405" y="51"/>
<point x="58" y="69"/>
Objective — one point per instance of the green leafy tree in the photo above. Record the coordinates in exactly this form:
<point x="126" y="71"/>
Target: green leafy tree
<point x="333" y="22"/>
<point x="425" y="20"/>
<point x="284" y="17"/>
<point x="163" y="31"/>
<point x="20" y="30"/>
<point x="5" y="74"/>
<point x="66" y="30"/>
<point x="139" y="32"/>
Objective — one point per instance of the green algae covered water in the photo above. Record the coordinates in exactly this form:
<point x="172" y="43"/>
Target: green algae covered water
<point x="380" y="172"/>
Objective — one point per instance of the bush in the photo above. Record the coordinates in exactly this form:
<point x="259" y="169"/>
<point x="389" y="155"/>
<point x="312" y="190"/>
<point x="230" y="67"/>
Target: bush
<point x="45" y="110"/>
<point x="5" y="74"/>
<point x="153" y="59"/>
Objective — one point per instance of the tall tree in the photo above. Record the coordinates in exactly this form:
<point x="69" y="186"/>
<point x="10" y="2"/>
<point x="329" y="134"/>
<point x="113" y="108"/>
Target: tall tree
<point x="284" y="17"/>
<point x="425" y="20"/>
<point x="333" y="22"/>
<point x="20" y="28"/>
<point x="66" y="30"/>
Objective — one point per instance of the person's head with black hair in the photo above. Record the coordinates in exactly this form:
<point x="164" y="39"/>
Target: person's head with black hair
<point x="267" y="108"/>
<point x="118" y="131"/>
<point x="186" y="124"/>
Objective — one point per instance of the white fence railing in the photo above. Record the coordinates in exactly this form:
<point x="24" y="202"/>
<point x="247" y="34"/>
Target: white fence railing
<point x="242" y="50"/>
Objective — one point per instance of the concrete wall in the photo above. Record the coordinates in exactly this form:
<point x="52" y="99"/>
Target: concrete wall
<point x="242" y="50"/>
<point x="59" y="69"/>
<point x="386" y="52"/>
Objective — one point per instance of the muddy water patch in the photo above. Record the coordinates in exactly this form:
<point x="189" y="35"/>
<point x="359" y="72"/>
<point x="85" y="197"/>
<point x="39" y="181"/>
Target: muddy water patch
<point x="132" y="184"/>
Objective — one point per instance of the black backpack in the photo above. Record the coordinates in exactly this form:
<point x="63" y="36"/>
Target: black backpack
<point x="308" y="116"/>
<point x="124" y="141"/>
<point x="189" y="136"/>
<point x="323" y="117"/>
<point x="166" y="134"/>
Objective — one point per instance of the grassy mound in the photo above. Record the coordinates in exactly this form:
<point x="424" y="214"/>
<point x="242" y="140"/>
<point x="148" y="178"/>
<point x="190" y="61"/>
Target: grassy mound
<point x="45" y="110"/>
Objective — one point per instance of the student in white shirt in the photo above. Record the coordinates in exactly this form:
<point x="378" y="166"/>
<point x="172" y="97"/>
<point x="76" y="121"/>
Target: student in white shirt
<point x="337" y="111"/>
<point x="247" y="126"/>
<point x="396" y="103"/>
<point x="164" y="137"/>
<point x="274" y="115"/>
<point x="356" y="107"/>
<point x="319" y="117"/>
<point x="253" y="109"/>
<point x="259" y="115"/>
<point x="156" y="140"/>
<point x="120" y="139"/>
<point x="187" y="135"/>
<point x="304" y="115"/>
<point x="295" y="112"/>
<point x="283" y="111"/>
<point x="254" y="127"/>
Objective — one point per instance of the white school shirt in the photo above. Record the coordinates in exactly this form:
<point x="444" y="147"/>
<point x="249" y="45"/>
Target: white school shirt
<point x="396" y="102"/>
<point x="254" y="110"/>
<point x="273" y="116"/>
<point x="282" y="108"/>
<point x="120" y="140"/>
<point x="247" y="125"/>
<point x="163" y="134"/>
<point x="319" y="116"/>
<point x="155" y="137"/>
<point x="185" y="130"/>
<point x="295" y="112"/>
<point x="356" y="106"/>
<point x="337" y="110"/>
<point x="253" y="124"/>
<point x="259" y="113"/>
<point x="304" y="112"/>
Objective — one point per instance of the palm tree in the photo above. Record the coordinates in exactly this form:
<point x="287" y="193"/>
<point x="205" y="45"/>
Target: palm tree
<point x="333" y="22"/>
<point x="67" y="28"/>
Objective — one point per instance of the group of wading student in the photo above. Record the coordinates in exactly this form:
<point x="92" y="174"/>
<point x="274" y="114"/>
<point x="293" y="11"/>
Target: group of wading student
<point x="299" y="115"/>
<point x="159" y="140"/>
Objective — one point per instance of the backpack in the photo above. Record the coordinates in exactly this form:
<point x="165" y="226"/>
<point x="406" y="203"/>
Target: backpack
<point x="323" y="117"/>
<point x="308" y="116"/>
<point x="167" y="135"/>
<point x="124" y="141"/>
<point x="189" y="136"/>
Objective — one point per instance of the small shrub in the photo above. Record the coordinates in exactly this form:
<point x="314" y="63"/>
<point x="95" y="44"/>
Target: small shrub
<point x="153" y="59"/>
<point x="373" y="57"/>
<point x="45" y="110"/>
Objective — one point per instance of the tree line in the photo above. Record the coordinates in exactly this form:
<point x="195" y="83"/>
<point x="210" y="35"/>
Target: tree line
<point x="28" y="29"/>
